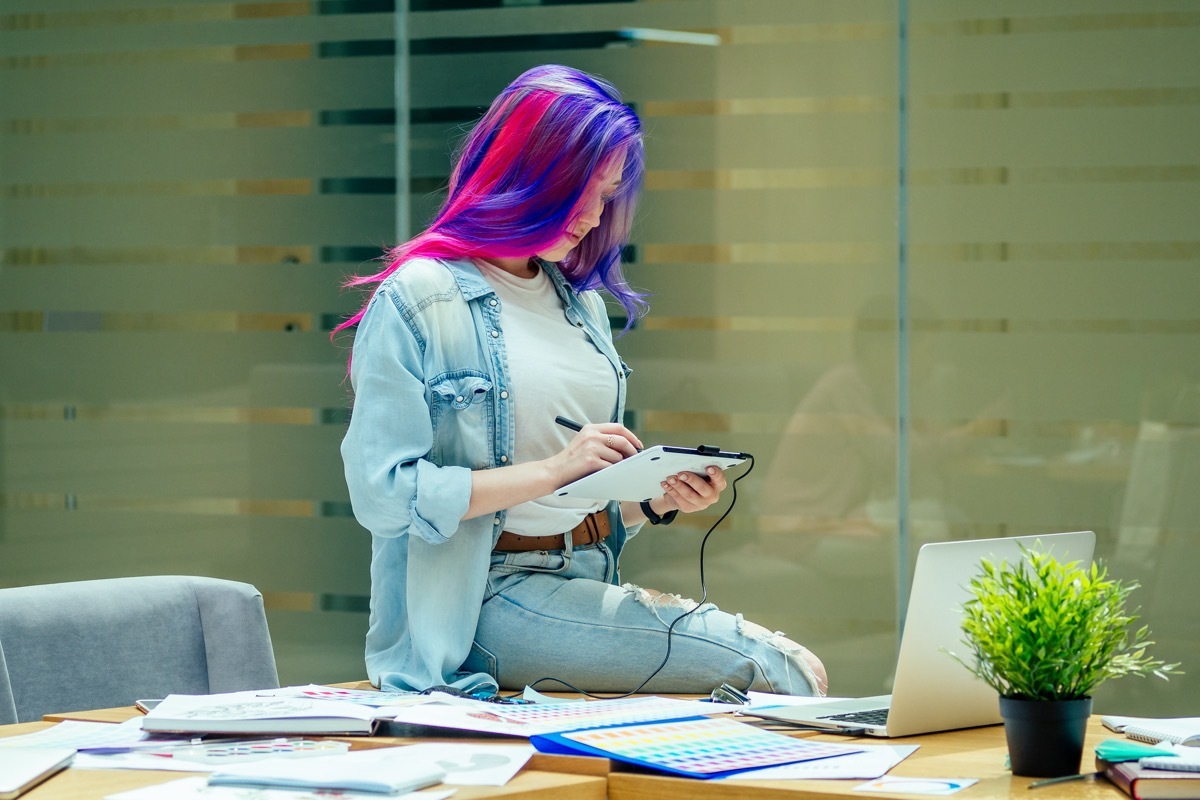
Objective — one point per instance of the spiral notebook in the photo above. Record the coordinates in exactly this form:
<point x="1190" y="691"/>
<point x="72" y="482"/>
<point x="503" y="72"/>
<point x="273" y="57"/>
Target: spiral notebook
<point x="1162" y="732"/>
<point x="1177" y="730"/>
<point x="1186" y="759"/>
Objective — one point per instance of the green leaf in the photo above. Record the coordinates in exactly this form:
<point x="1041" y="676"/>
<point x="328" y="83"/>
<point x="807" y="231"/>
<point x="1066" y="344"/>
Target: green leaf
<point x="1049" y="630"/>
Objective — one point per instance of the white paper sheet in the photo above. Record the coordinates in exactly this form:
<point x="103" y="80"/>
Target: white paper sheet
<point x="470" y="764"/>
<point x="928" y="786"/>
<point x="387" y="770"/>
<point x="138" y="761"/>
<point x="873" y="762"/>
<point x="198" y="789"/>
<point x="79" y="734"/>
<point x="534" y="696"/>
<point x="766" y="699"/>
<point x="208" y="756"/>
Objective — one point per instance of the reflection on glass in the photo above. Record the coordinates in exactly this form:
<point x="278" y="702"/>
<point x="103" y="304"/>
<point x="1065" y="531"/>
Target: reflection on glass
<point x="829" y="506"/>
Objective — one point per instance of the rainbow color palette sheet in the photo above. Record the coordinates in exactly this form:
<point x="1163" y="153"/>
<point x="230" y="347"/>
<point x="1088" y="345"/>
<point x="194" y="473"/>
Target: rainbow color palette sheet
<point x="702" y="747"/>
<point x="556" y="717"/>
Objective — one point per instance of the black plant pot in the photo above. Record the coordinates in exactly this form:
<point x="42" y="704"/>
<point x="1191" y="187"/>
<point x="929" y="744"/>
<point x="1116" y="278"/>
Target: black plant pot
<point x="1045" y="737"/>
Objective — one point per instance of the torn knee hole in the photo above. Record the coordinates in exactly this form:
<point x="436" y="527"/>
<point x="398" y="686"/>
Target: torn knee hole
<point x="653" y="598"/>
<point x="777" y="639"/>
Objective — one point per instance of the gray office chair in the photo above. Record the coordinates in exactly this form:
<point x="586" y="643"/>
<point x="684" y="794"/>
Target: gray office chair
<point x="105" y="643"/>
<point x="8" y="708"/>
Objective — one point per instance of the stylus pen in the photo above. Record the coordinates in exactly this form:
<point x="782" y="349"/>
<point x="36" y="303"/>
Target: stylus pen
<point x="573" y="425"/>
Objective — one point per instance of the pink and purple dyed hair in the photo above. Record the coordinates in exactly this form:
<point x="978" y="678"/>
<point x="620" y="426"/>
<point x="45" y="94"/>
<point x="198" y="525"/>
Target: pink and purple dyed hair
<point x="519" y="179"/>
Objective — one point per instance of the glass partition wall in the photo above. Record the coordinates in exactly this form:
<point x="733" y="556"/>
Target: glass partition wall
<point x="182" y="187"/>
<point x="1055" y="270"/>
<point x="933" y="264"/>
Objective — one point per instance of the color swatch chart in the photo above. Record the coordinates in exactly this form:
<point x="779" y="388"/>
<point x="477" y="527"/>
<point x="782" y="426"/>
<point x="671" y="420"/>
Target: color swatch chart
<point x="594" y="713"/>
<point x="703" y="747"/>
<point x="254" y="749"/>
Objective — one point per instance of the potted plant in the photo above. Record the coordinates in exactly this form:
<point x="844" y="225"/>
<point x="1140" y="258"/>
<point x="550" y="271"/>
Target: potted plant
<point x="1045" y="634"/>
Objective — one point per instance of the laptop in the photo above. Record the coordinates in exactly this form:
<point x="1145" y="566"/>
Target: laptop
<point x="22" y="768"/>
<point x="932" y="691"/>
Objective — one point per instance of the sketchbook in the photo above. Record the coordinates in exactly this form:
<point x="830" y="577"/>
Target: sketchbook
<point x="640" y="476"/>
<point x="255" y="713"/>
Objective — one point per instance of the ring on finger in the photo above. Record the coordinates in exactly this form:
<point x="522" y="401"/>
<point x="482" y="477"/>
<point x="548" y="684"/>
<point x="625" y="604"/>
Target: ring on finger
<point x="608" y="442"/>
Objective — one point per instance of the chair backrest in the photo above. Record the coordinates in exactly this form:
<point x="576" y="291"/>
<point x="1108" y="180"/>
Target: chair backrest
<point x="105" y="643"/>
<point x="8" y="708"/>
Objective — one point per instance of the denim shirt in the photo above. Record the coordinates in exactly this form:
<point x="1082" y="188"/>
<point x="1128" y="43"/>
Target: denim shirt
<point x="431" y="384"/>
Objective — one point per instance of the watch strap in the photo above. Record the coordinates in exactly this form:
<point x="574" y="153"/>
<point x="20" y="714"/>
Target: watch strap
<point x="655" y="519"/>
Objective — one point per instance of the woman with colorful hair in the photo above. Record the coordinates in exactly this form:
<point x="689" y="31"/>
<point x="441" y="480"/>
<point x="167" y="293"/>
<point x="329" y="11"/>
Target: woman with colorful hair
<point x="480" y="331"/>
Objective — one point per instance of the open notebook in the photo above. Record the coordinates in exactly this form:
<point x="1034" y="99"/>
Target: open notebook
<point x="932" y="691"/>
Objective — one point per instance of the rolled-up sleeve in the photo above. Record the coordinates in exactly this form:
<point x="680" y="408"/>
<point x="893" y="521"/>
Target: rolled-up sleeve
<point x="394" y="488"/>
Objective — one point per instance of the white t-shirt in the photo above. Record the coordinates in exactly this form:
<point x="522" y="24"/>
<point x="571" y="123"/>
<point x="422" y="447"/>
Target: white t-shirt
<point x="554" y="370"/>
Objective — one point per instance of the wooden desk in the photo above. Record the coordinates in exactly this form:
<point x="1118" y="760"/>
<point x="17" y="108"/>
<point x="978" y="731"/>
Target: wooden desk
<point x="974" y="753"/>
<point x="99" y="715"/>
<point x="76" y="784"/>
<point x="584" y="781"/>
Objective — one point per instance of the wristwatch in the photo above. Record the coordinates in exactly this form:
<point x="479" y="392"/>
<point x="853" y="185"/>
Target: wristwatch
<point x="655" y="519"/>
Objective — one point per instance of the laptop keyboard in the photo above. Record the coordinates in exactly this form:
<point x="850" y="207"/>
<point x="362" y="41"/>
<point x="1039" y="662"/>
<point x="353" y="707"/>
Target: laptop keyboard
<point x="875" y="716"/>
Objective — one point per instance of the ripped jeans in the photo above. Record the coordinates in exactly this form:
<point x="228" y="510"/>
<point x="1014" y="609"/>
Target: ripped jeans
<point x="555" y="614"/>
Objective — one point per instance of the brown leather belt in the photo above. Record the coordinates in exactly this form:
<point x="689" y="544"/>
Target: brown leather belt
<point x="594" y="528"/>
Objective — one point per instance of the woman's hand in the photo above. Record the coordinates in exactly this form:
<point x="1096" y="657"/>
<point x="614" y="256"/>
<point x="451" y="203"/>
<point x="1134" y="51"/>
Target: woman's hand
<point x="594" y="448"/>
<point x="690" y="492"/>
<point x="685" y="491"/>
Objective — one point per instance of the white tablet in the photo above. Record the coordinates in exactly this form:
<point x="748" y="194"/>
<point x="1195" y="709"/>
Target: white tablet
<point x="640" y="477"/>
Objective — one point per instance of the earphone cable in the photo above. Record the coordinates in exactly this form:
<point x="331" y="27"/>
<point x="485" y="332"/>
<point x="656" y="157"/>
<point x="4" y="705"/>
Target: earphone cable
<point x="677" y="620"/>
